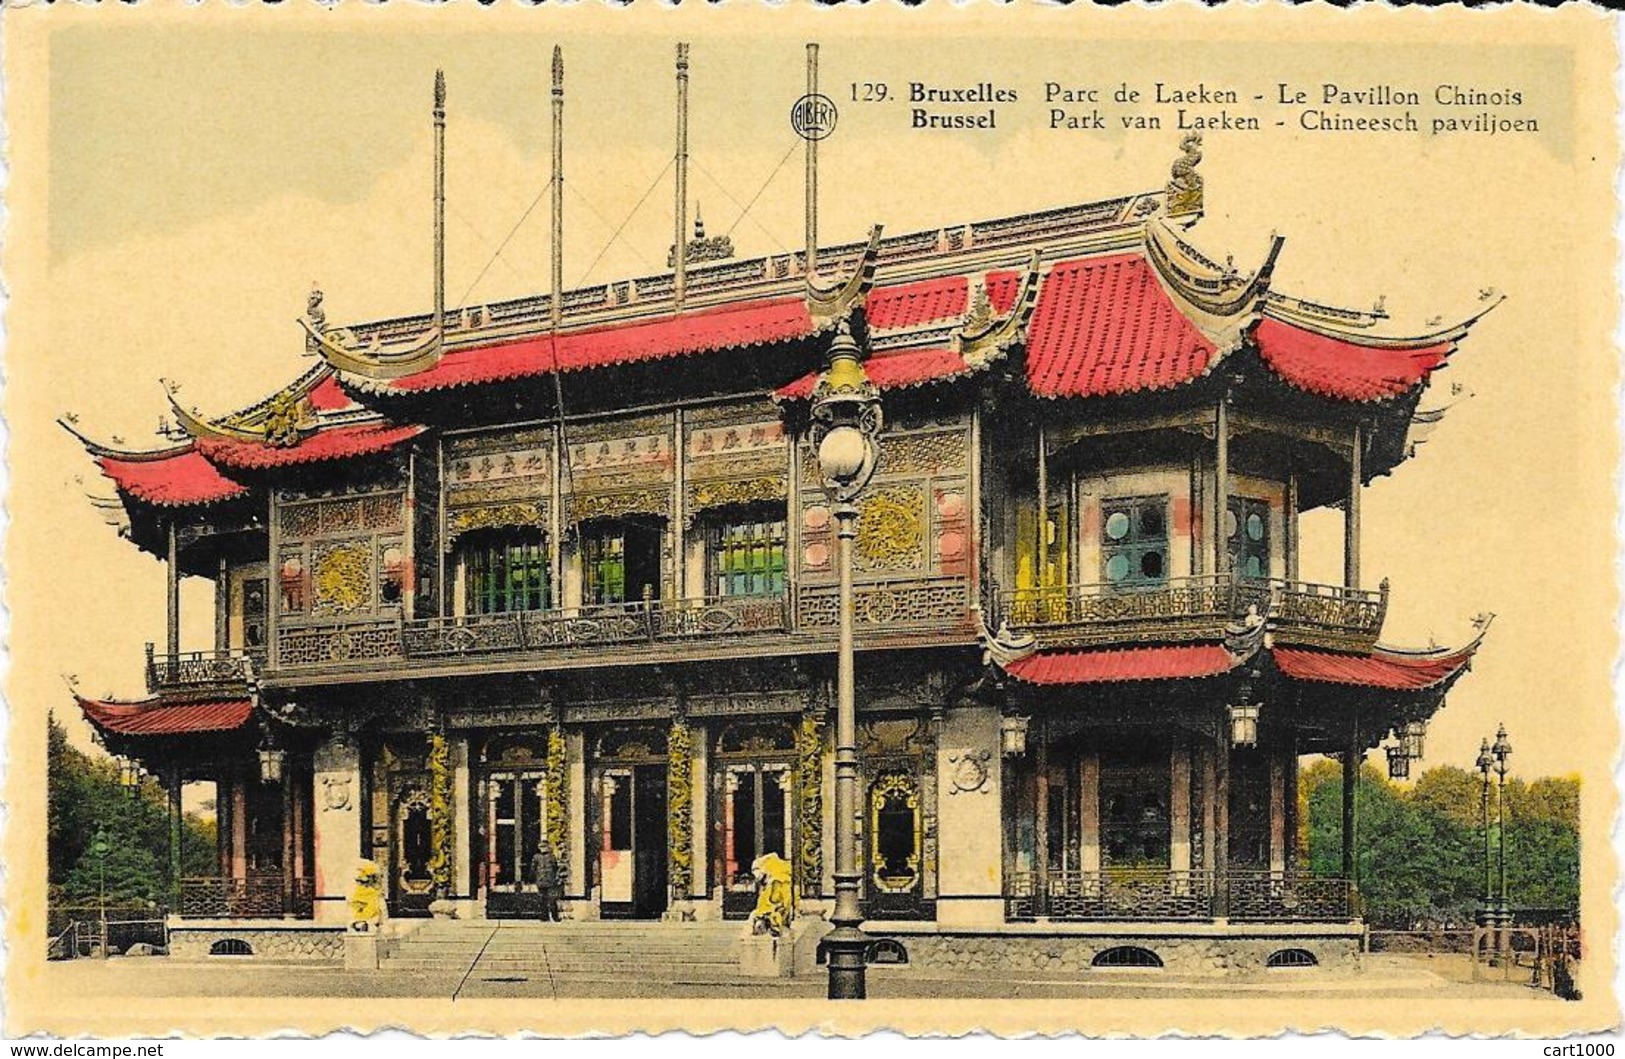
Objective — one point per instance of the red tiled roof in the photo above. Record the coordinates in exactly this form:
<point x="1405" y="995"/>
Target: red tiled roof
<point x="1105" y="326"/>
<point x="1379" y="669"/>
<point x="912" y="304"/>
<point x="171" y="481"/>
<point x="147" y="717"/>
<point x="704" y="330"/>
<point x="1182" y="662"/>
<point x="333" y="443"/>
<point x="1002" y="288"/>
<point x="326" y="396"/>
<point x="892" y="371"/>
<point x="1343" y="369"/>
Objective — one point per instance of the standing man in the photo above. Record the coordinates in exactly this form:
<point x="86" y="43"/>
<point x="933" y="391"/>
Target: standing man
<point x="545" y="867"/>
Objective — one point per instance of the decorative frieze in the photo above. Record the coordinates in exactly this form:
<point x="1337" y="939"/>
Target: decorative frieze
<point x="516" y="514"/>
<point x="316" y="518"/>
<point x="703" y="495"/>
<point x="753" y="703"/>
<point x="581" y="507"/>
<point x="622" y="710"/>
<point x="501" y="717"/>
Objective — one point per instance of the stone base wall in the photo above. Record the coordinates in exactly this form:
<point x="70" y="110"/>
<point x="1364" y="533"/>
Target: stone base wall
<point x="1057" y="954"/>
<point x="292" y="944"/>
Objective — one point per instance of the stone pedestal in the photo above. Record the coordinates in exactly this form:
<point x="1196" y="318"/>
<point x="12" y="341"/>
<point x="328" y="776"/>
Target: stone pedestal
<point x="764" y="956"/>
<point x="361" y="952"/>
<point x="970" y="883"/>
<point x="337" y="787"/>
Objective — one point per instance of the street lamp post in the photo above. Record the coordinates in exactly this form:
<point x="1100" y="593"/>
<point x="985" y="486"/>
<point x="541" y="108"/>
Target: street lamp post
<point x="1502" y="750"/>
<point x="845" y="425"/>
<point x="100" y="847"/>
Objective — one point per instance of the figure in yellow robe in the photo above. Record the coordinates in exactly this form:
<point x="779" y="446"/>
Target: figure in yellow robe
<point x="775" y="896"/>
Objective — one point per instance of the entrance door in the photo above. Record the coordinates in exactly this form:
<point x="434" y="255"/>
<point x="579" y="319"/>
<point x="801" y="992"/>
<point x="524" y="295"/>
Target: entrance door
<point x="414" y="884"/>
<point x="514" y="828"/>
<point x="756" y="818"/>
<point x="632" y="848"/>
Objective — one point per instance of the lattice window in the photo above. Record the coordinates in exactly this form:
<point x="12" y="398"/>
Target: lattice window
<point x="507" y="571"/>
<point x="1134" y="819"/>
<point x="747" y="558"/>
<point x="1134" y="541"/>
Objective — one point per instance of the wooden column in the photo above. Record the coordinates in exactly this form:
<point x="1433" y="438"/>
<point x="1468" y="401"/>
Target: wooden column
<point x="1292" y="821"/>
<point x="1352" y="757"/>
<point x="1179" y="808"/>
<point x="1089" y="811"/>
<point x="679" y="511"/>
<point x="1221" y="487"/>
<point x="222" y="817"/>
<point x="1041" y="523"/>
<point x="239" y="827"/>
<point x="1289" y="522"/>
<point x="222" y="607"/>
<point x="1221" y="826"/>
<point x="1210" y="813"/>
<point x="175" y="834"/>
<point x="1041" y="819"/>
<point x="172" y="584"/>
<point x="287" y="839"/>
<point x="1278" y="814"/>
<point x="301" y="804"/>
<point x="1351" y="516"/>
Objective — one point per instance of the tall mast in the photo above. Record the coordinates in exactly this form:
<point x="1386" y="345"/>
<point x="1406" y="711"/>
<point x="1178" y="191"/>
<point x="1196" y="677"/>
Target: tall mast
<point x="812" y="168"/>
<point x="680" y="279"/>
<point x="556" y="304"/>
<point x="440" y="204"/>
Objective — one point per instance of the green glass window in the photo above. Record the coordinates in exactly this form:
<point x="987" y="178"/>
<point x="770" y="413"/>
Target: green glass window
<point x="1248" y="529"/>
<point x="748" y="558"/>
<point x="604" y="555"/>
<point x="507" y="572"/>
<point x="1134" y="541"/>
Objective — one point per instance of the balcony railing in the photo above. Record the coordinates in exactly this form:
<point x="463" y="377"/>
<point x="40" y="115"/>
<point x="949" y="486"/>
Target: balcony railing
<point x="197" y="669"/>
<point x="906" y="606"/>
<point x="250" y="897"/>
<point x="1195" y="607"/>
<point x="1154" y="894"/>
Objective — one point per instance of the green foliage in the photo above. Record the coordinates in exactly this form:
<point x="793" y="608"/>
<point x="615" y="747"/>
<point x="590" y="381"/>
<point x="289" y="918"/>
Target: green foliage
<point x="83" y="793"/>
<point x="1420" y="847"/>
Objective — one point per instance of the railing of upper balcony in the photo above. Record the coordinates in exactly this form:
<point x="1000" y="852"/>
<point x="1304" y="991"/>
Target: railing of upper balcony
<point x="919" y="605"/>
<point x="1189" y="607"/>
<point x="200" y="669"/>
<point x="1140" y="894"/>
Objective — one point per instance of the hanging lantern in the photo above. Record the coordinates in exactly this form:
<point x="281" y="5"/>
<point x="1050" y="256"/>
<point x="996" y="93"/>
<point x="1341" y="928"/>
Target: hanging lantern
<point x="1411" y="738"/>
<point x="1244" y="725"/>
<point x="271" y="761"/>
<point x="1399" y="763"/>
<point x="129" y="776"/>
<point x="1013" y="735"/>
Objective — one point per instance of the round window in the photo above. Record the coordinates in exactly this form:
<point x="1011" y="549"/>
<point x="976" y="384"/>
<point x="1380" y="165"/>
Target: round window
<point x="1151" y="565"/>
<point x="1151" y="522"/>
<point x="1229" y="523"/>
<point x="1117" y="568"/>
<point x="1117" y="525"/>
<point x="1255" y="526"/>
<point x="1255" y="567"/>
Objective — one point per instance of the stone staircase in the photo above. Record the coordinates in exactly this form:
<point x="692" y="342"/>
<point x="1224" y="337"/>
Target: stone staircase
<point x="527" y="951"/>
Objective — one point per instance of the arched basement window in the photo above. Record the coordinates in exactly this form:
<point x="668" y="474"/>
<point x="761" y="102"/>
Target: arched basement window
<point x="1292" y="958"/>
<point x="231" y="947"/>
<point x="1126" y="956"/>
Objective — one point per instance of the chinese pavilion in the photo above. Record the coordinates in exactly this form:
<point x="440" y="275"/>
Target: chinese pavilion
<point x="558" y="570"/>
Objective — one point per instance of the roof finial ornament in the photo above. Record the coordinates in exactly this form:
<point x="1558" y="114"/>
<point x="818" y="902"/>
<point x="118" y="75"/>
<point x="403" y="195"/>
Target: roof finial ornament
<point x="1486" y="293"/>
<point x="699" y="223"/>
<point x="314" y="311"/>
<point x="1378" y="309"/>
<point x="440" y="93"/>
<point x="1184" y="182"/>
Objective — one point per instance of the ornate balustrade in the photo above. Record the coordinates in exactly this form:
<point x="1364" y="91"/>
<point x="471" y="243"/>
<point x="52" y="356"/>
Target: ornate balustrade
<point x="1196" y="607"/>
<point x="916" y="605"/>
<point x="1281" y="896"/>
<point x="1154" y="894"/>
<point x="197" y="669"/>
<point x="250" y="897"/>
<point x="919" y="602"/>
<point x="1127" y="894"/>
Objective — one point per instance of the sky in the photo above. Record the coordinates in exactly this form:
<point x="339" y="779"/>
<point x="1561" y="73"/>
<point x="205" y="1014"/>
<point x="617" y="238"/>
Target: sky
<point x="182" y="185"/>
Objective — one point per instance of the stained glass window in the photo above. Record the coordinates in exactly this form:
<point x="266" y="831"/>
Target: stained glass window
<point x="1134" y="541"/>
<point x="1247" y="526"/>
<point x="747" y="558"/>
<point x="507" y="572"/>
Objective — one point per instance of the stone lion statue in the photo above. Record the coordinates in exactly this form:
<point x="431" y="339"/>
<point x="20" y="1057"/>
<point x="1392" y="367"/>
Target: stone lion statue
<point x="367" y="897"/>
<point x="775" y="895"/>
